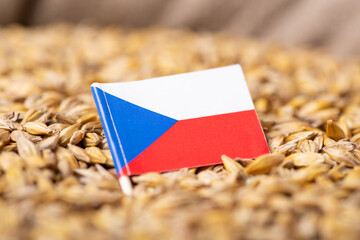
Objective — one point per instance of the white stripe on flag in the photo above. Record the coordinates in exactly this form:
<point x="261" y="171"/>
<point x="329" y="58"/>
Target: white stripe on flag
<point x="189" y="95"/>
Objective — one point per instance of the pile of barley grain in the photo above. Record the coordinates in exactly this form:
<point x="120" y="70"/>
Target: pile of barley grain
<point x="57" y="179"/>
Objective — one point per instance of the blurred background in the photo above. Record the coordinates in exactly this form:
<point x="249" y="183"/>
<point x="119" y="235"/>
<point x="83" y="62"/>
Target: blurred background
<point x="329" y="24"/>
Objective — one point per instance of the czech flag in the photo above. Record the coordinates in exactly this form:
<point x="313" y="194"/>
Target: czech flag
<point x="180" y="121"/>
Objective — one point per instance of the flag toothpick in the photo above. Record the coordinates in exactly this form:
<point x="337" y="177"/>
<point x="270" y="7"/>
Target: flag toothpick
<point x="180" y="121"/>
<point x="126" y="185"/>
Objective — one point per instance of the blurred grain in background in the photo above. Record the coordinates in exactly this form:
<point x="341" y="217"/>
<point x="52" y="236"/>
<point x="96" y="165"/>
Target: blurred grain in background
<point x="329" y="24"/>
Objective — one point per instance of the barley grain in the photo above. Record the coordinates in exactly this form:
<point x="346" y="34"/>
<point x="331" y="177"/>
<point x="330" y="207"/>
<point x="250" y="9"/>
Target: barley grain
<point x="57" y="177"/>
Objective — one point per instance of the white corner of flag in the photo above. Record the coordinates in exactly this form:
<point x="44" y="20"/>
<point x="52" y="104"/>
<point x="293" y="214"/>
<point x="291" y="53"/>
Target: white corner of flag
<point x="95" y="84"/>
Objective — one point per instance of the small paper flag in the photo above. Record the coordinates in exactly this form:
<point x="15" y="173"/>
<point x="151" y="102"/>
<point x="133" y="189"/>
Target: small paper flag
<point x="179" y="121"/>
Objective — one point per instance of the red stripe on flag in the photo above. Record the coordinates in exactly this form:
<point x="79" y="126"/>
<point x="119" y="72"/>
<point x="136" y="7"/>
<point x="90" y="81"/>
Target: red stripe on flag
<point x="201" y="141"/>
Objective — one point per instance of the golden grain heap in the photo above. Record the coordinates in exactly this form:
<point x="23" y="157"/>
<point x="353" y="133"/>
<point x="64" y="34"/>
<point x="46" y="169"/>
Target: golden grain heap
<point x="57" y="179"/>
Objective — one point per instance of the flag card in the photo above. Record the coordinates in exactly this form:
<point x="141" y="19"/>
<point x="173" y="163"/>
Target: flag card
<point x="179" y="121"/>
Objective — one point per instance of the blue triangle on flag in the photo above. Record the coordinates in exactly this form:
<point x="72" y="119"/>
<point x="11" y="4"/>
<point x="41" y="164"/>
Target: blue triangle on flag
<point x="136" y="127"/>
